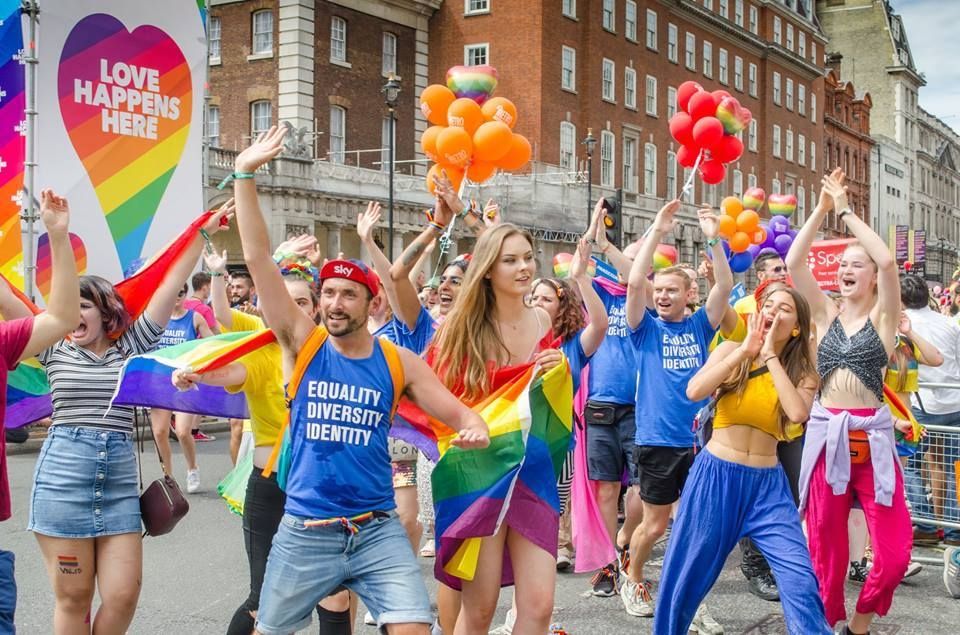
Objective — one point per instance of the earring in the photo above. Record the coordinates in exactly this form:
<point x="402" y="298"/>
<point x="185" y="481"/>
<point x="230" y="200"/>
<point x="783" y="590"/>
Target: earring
<point x="795" y="332"/>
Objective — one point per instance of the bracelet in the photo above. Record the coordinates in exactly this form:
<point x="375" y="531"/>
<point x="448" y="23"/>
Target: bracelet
<point x="713" y="241"/>
<point x="844" y="212"/>
<point x="764" y="362"/>
<point x="236" y="176"/>
<point x="216" y="274"/>
<point x="437" y="227"/>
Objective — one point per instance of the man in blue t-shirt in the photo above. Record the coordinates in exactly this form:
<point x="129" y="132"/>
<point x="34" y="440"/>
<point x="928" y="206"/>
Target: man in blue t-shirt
<point x="669" y="350"/>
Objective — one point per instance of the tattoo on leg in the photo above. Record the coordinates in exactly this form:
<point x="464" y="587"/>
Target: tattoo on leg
<point x="69" y="565"/>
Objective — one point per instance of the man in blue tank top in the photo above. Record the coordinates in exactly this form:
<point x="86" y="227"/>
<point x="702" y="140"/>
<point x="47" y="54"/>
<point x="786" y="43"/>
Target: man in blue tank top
<point x="340" y="527"/>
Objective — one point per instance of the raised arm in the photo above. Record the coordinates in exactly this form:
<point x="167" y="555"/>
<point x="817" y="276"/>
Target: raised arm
<point x="63" y="308"/>
<point x="217" y="265"/>
<point x="930" y="355"/>
<point x="795" y="400"/>
<point x="290" y="324"/>
<point x="161" y="304"/>
<point x="425" y="389"/>
<point x="593" y="333"/>
<point x="638" y="287"/>
<point x="400" y="270"/>
<point x="401" y="295"/>
<point x="821" y="309"/>
<point x="718" y="299"/>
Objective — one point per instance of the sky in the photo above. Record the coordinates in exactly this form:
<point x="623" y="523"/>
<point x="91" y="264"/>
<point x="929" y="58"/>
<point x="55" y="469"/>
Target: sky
<point x="932" y="32"/>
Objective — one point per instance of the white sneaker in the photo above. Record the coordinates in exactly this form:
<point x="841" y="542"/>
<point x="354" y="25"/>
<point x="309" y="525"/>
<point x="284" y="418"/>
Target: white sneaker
<point x="564" y="560"/>
<point x="368" y="619"/>
<point x="507" y="627"/>
<point x="913" y="569"/>
<point x="429" y="549"/>
<point x="637" y="599"/>
<point x="951" y="571"/>
<point x="704" y="624"/>
<point x="193" y="481"/>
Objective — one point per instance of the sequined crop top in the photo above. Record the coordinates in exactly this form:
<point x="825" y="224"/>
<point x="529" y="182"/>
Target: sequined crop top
<point x="863" y="354"/>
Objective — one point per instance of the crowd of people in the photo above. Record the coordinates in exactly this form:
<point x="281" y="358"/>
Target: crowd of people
<point x="763" y="424"/>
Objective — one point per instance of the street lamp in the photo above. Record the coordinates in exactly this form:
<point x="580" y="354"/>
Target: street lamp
<point x="391" y="91"/>
<point x="590" y="142"/>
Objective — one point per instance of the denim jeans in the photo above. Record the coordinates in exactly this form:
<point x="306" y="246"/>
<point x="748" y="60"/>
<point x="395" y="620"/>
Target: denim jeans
<point x="8" y="593"/>
<point x="948" y="455"/>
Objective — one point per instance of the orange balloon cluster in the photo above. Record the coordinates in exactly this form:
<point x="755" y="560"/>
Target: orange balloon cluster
<point x="740" y="227"/>
<point x="467" y="140"/>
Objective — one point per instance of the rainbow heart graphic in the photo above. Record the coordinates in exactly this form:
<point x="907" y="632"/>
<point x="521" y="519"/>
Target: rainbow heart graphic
<point x="782" y="204"/>
<point x="44" y="261"/>
<point x="473" y="82"/>
<point x="732" y="115"/>
<point x="126" y="101"/>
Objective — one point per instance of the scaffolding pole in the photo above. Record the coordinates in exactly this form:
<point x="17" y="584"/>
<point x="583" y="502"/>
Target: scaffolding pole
<point x="29" y="211"/>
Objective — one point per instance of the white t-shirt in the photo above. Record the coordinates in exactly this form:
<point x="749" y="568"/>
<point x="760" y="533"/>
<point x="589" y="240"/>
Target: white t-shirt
<point x="944" y="333"/>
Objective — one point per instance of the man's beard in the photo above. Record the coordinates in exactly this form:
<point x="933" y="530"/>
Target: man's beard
<point x="353" y="324"/>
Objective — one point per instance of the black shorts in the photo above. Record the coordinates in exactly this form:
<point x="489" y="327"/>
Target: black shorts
<point x="662" y="471"/>
<point x="610" y="433"/>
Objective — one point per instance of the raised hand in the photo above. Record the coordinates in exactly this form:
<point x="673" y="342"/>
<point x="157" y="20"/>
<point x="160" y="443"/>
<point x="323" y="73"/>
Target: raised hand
<point x="367" y="220"/>
<point x="833" y="186"/>
<point x="445" y="192"/>
<point x="581" y="260"/>
<point x="491" y="213"/>
<point x="709" y="222"/>
<point x="825" y="203"/>
<point x="597" y="232"/>
<point x="472" y="437"/>
<point x="216" y="263"/>
<point x="266" y="147"/>
<point x="666" y="217"/>
<point x="54" y="212"/>
<point x="753" y="342"/>
<point x="221" y="218"/>
<point x="769" y="348"/>
<point x="905" y="326"/>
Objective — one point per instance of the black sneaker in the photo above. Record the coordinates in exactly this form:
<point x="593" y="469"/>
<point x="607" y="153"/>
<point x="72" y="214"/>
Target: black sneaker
<point x="606" y="581"/>
<point x="858" y="571"/>
<point x="764" y="587"/>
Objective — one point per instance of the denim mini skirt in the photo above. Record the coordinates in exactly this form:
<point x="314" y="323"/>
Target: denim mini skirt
<point x="85" y="484"/>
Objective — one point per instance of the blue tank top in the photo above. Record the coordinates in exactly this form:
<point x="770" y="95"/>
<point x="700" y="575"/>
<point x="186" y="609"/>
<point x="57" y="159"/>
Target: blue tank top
<point x="339" y="421"/>
<point x="178" y="331"/>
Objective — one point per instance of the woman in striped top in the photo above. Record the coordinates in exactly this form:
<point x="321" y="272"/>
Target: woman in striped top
<point x="85" y="508"/>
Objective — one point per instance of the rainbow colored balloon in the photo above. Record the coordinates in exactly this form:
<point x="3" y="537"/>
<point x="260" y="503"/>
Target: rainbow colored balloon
<point x="473" y="82"/>
<point x="126" y="102"/>
<point x="44" y="269"/>
<point x="732" y="115"/>
<point x="782" y="204"/>
<point x="562" y="262"/>
<point x="665" y="256"/>
<point x="754" y="198"/>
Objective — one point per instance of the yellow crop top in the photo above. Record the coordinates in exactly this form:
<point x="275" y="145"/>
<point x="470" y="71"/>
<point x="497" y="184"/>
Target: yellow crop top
<point x="758" y="408"/>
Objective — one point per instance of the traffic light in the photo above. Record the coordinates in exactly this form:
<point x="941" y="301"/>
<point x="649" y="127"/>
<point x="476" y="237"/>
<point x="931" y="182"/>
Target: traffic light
<point x="613" y="220"/>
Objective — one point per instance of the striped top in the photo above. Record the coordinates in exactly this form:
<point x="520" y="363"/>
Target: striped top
<point x="82" y="383"/>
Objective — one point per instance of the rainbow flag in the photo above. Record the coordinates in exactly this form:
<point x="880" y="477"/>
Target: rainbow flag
<point x="28" y="394"/>
<point x="145" y="379"/>
<point x="906" y="445"/>
<point x="514" y="480"/>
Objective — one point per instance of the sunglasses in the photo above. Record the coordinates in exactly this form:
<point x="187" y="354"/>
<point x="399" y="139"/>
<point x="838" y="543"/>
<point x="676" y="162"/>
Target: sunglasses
<point x="181" y="294"/>
<point x="779" y="269"/>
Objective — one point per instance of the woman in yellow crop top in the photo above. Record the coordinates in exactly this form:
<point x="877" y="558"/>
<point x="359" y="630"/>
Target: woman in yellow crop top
<point x="737" y="487"/>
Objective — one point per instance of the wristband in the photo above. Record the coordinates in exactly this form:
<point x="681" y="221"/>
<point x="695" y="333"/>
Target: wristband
<point x="236" y="176"/>
<point x="844" y="212"/>
<point x="767" y="360"/>
<point x="713" y="241"/>
<point x="437" y="227"/>
<point x="216" y="274"/>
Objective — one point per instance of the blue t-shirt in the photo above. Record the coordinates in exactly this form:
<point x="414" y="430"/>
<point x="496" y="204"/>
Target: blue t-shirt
<point x="573" y="349"/>
<point x="668" y="354"/>
<point x="178" y="331"/>
<point x="613" y="376"/>
<point x="388" y="330"/>
<point x="420" y="337"/>
<point x="339" y="421"/>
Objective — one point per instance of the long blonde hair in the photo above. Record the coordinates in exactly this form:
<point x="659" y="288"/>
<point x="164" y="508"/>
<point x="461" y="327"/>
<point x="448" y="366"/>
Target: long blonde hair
<point x="469" y="334"/>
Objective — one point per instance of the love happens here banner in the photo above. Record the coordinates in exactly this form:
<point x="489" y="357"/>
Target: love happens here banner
<point x="120" y="95"/>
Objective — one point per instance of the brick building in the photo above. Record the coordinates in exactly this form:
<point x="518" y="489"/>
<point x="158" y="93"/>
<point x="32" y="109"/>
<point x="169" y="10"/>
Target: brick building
<point x="613" y="66"/>
<point x="847" y="143"/>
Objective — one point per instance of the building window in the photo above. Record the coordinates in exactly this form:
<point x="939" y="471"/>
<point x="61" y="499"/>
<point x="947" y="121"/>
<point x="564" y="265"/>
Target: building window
<point x="690" y="51"/>
<point x="707" y="59"/>
<point x="261" y="116"/>
<point x="801" y="99"/>
<point x="389" y="54"/>
<point x="213" y="39"/>
<point x="213" y="126"/>
<point x="338" y="133"/>
<point x="651" y="95"/>
<point x="776" y="141"/>
<point x="568" y="146"/>
<point x="476" y="54"/>
<point x="609" y="9"/>
<point x="385" y="144"/>
<point x="789" y="94"/>
<point x="801" y="150"/>
<point x="629" y="88"/>
<point x="630" y="21"/>
<point x="606" y="158"/>
<point x="723" y="67"/>
<point x="751" y="180"/>
<point x="338" y="39"/>
<point x="801" y="205"/>
<point x="708" y="4"/>
<point x="790" y="37"/>
<point x="630" y="164"/>
<point x="671" y="175"/>
<point x="752" y="136"/>
<point x="789" y="156"/>
<point x="651" y="29"/>
<point x="570" y="8"/>
<point x="650" y="169"/>
<point x="476" y="6"/>
<point x="813" y="53"/>
<point x="568" y="69"/>
<point x="777" y="97"/>
<point x="693" y="183"/>
<point x="671" y="101"/>
<point x="672" y="43"/>
<point x="813" y="107"/>
<point x="813" y="156"/>
<point x="754" y="20"/>
<point x="775" y="186"/>
<point x="777" y="30"/>
<point x="607" y="90"/>
<point x="738" y="12"/>
<point x="738" y="73"/>
<point x="752" y="78"/>
<point x="737" y="183"/>
<point x="262" y="32"/>
<point x="802" y="44"/>
<point x="724" y="8"/>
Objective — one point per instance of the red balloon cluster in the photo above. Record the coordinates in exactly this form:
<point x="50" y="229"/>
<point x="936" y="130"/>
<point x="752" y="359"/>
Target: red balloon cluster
<point x="708" y="122"/>
<point x="468" y="139"/>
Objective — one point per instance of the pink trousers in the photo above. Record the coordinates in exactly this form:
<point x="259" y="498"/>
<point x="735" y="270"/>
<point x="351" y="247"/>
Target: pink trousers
<point x="891" y="535"/>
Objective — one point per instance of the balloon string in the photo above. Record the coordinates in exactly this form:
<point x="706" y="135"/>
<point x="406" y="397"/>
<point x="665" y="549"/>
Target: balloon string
<point x="446" y="238"/>
<point x="688" y="185"/>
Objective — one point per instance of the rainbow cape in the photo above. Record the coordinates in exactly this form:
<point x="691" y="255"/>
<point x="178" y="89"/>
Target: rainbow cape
<point x="145" y="379"/>
<point x="514" y="480"/>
